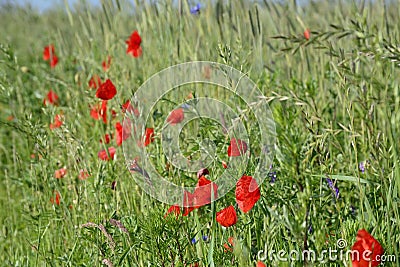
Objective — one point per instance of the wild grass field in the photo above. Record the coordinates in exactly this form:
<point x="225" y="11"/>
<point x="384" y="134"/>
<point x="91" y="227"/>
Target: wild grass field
<point x="329" y="72"/>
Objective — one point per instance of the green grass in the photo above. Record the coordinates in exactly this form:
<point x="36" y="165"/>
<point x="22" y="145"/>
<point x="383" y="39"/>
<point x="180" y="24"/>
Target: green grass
<point x="335" y="100"/>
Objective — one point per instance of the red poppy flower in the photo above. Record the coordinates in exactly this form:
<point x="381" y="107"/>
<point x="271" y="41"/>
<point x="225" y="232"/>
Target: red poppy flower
<point x="307" y="34"/>
<point x="60" y="173"/>
<point x="106" y="64"/>
<point x="83" y="174"/>
<point x="202" y="193"/>
<point x="48" y="52"/>
<point x="133" y="43"/>
<point x="237" y="148"/>
<point x="55" y="200"/>
<point x="127" y="107"/>
<point x="123" y="131"/>
<point x="94" y="82"/>
<point x="227" y="217"/>
<point x="173" y="209"/>
<point x="201" y="196"/>
<point x="53" y="61"/>
<point x="51" y="98"/>
<point x="103" y="111"/>
<point x="104" y="156"/>
<point x="113" y="114"/>
<point x="229" y="246"/>
<point x="247" y="193"/>
<point x="99" y="111"/>
<point x="106" y="90"/>
<point x="176" y="116"/>
<point x="148" y="136"/>
<point x="106" y="139"/>
<point x="57" y="122"/>
<point x="368" y="248"/>
<point x="261" y="264"/>
<point x="118" y="134"/>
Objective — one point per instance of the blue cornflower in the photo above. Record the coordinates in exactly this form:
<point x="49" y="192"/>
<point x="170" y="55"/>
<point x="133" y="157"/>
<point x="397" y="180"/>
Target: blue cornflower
<point x="333" y="187"/>
<point x="195" y="9"/>
<point x="205" y="238"/>
<point x="194" y="241"/>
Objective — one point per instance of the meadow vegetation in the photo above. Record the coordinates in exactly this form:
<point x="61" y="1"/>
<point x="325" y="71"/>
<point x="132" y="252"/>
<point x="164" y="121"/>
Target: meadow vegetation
<point x="329" y="71"/>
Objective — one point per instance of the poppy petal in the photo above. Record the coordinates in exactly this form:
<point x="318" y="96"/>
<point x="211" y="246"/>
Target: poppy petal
<point x="237" y="148"/>
<point x="123" y="131"/>
<point x="48" y="52"/>
<point x="106" y="64"/>
<point x="58" y="121"/>
<point x="173" y="209"/>
<point x="133" y="43"/>
<point x="60" y="173"/>
<point x="98" y="111"/>
<point x="51" y="98"/>
<point x="106" y="91"/>
<point x="95" y="82"/>
<point x="83" y="174"/>
<point x="205" y="192"/>
<point x="366" y="245"/>
<point x="103" y="155"/>
<point x="53" y="61"/>
<point x="148" y="136"/>
<point x="247" y="193"/>
<point x="227" y="217"/>
<point x="176" y="116"/>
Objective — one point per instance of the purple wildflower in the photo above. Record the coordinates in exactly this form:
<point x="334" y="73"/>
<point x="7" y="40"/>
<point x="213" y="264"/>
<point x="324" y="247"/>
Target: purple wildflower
<point x="361" y="166"/>
<point x="194" y="241"/>
<point x="195" y="9"/>
<point x="205" y="238"/>
<point x="333" y="187"/>
<point x="185" y="106"/>
<point x="272" y="176"/>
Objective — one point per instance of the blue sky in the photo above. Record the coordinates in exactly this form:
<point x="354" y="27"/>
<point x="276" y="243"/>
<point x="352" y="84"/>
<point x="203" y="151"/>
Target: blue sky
<point x="45" y="4"/>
